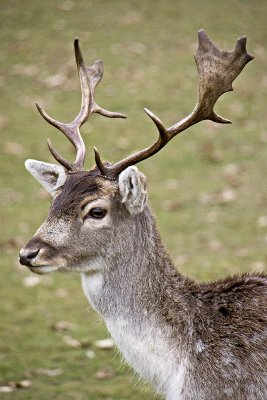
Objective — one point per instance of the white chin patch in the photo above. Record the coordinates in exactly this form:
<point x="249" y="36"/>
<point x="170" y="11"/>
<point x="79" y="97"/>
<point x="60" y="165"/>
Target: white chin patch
<point x="45" y="269"/>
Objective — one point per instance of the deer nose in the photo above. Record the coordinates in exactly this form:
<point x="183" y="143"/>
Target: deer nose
<point x="26" y="256"/>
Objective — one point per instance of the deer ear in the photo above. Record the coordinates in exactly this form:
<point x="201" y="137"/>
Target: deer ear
<point x="51" y="176"/>
<point x="132" y="186"/>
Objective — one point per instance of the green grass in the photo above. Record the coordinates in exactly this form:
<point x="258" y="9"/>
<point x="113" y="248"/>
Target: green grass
<point x="147" y="49"/>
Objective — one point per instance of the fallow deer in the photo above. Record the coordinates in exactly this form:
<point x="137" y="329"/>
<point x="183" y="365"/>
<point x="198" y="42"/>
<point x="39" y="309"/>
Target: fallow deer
<point x="192" y="341"/>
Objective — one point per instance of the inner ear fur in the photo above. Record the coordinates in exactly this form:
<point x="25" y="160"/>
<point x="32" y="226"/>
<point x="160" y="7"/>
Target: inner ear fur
<point x="132" y="187"/>
<point x="50" y="176"/>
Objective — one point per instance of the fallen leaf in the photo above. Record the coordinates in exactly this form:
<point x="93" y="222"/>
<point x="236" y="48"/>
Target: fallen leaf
<point x="226" y="196"/>
<point x="90" y="354"/>
<point x="170" y="205"/>
<point x="66" y="5"/>
<point x="6" y="389"/>
<point x="30" y="281"/>
<point x="232" y="169"/>
<point x="61" y="293"/>
<point x="71" y="341"/>
<point x="262" y="221"/>
<point x="3" y="122"/>
<point x="61" y="326"/>
<point x="105" y="344"/>
<point x="24" y="384"/>
<point x="55" y="80"/>
<point x="104" y="373"/>
<point x="49" y="372"/>
<point x="29" y="70"/>
<point x="13" y="148"/>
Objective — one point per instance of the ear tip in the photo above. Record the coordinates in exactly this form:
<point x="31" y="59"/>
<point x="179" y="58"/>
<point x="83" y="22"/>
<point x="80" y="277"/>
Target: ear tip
<point x="133" y="168"/>
<point x="28" y="163"/>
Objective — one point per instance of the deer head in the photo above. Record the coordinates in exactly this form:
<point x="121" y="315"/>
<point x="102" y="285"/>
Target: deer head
<point x="92" y="212"/>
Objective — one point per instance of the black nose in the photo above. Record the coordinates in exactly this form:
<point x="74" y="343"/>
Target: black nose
<point x="26" y="256"/>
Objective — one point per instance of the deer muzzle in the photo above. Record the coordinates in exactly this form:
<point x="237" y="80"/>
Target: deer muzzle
<point x="39" y="256"/>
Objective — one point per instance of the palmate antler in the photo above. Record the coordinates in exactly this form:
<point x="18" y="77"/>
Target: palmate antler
<point x="217" y="70"/>
<point x="89" y="79"/>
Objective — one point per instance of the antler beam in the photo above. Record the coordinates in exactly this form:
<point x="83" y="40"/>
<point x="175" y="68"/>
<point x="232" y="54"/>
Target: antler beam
<point x="217" y="70"/>
<point x="90" y="76"/>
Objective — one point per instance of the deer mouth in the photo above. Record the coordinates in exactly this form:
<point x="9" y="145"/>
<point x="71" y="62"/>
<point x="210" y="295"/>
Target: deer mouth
<point x="43" y="269"/>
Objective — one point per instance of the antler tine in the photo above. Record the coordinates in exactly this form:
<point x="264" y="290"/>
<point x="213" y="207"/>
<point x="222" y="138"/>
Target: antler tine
<point x="90" y="76"/>
<point x="217" y="70"/>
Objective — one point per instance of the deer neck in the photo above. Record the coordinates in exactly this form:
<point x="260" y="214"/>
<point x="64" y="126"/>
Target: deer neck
<point x="129" y="280"/>
<point x="135" y="296"/>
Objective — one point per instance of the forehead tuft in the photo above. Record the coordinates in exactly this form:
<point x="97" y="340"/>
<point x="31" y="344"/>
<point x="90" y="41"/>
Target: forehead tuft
<point x="79" y="186"/>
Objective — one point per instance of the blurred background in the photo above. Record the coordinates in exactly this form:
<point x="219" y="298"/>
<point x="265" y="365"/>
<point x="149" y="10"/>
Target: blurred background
<point x="207" y="187"/>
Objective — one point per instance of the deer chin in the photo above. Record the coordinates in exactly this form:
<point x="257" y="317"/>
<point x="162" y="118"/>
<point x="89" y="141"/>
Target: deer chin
<point x="43" y="269"/>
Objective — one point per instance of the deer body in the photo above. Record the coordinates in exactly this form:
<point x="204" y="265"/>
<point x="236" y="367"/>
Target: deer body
<point x="192" y="341"/>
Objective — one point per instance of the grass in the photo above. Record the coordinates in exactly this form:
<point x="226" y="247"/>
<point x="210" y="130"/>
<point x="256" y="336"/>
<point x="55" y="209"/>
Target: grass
<point x="147" y="49"/>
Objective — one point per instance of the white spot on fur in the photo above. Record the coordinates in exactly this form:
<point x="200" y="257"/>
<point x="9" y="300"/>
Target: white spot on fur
<point x="92" y="283"/>
<point x="200" y="346"/>
<point x="148" y="351"/>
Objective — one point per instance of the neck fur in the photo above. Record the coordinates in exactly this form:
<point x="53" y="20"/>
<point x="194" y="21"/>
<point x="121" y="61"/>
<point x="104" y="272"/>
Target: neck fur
<point x="133" y="293"/>
<point x="137" y="278"/>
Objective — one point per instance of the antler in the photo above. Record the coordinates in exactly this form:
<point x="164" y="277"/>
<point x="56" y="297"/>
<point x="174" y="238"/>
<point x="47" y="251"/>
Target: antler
<point x="217" y="70"/>
<point x="89" y="79"/>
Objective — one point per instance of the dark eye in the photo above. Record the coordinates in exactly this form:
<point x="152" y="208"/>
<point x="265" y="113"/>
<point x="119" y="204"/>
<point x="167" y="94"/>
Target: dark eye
<point x="97" y="212"/>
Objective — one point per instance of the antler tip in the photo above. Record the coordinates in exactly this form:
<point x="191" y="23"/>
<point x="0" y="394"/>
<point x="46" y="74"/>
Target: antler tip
<point x="78" y="53"/>
<point x="97" y="156"/>
<point x="201" y="32"/>
<point x="161" y="128"/>
<point x="204" y="43"/>
<point x="202" y="36"/>
<point x="241" y="48"/>
<point x="41" y="111"/>
<point x="99" y="163"/>
<point x="151" y="114"/>
<point x="220" y="120"/>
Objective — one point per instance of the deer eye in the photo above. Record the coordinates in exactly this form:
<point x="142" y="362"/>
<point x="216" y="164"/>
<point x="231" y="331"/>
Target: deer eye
<point x="97" y="212"/>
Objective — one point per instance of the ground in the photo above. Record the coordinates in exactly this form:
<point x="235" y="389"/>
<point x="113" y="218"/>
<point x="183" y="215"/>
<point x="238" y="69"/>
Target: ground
<point x="207" y="188"/>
